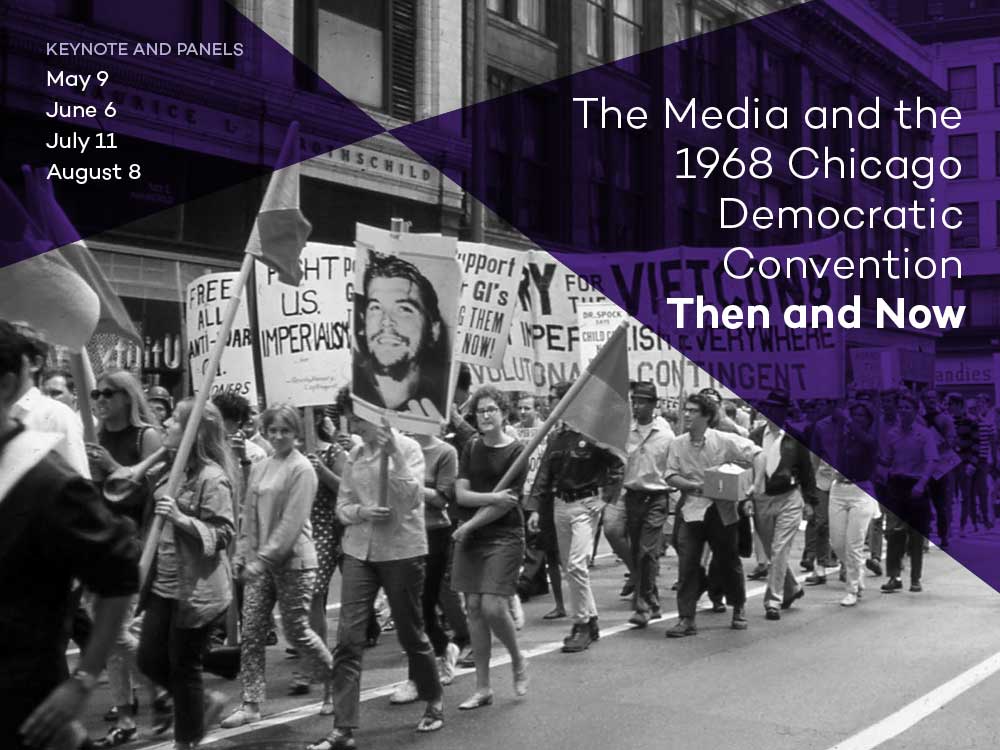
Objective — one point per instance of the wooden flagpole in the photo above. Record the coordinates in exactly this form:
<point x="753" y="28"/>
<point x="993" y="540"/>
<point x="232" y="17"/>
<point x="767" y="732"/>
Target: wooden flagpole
<point x="554" y="416"/>
<point x="197" y="409"/>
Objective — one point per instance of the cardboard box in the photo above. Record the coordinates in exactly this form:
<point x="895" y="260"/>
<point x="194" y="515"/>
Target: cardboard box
<point x="728" y="482"/>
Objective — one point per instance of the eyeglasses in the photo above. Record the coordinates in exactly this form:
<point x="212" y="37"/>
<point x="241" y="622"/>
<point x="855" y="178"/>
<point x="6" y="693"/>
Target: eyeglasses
<point x="108" y="393"/>
<point x="487" y="411"/>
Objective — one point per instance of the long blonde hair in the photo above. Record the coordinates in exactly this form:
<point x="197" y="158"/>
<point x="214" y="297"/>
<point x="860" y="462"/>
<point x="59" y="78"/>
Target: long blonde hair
<point x="140" y="414"/>
<point x="211" y="444"/>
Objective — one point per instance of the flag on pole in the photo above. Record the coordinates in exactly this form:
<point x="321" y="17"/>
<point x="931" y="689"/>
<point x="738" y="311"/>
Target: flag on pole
<point x="43" y="291"/>
<point x="43" y="206"/>
<point x="600" y="410"/>
<point x="280" y="231"/>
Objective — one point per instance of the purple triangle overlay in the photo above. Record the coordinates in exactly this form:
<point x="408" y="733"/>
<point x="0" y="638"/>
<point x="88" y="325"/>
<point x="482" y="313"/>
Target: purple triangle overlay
<point x="609" y="203"/>
<point x="248" y="101"/>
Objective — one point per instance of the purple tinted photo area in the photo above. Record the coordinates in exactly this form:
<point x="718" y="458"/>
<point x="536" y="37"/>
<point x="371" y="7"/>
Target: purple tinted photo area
<point x="559" y="208"/>
<point x="164" y="106"/>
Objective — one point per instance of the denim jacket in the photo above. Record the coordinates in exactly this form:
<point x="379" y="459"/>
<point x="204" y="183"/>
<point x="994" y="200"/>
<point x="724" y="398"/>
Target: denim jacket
<point x="204" y="586"/>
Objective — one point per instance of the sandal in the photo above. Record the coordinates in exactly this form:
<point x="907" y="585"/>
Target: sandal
<point x="432" y="720"/>
<point x="336" y="740"/>
<point x="117" y="736"/>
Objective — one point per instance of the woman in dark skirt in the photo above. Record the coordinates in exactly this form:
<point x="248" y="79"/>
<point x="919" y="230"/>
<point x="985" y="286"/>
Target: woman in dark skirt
<point x="489" y="543"/>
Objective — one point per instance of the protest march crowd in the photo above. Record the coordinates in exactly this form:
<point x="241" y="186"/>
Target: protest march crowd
<point x="438" y="534"/>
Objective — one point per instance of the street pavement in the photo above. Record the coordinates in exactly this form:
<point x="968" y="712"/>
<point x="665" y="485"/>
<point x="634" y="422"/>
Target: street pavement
<point x="822" y="677"/>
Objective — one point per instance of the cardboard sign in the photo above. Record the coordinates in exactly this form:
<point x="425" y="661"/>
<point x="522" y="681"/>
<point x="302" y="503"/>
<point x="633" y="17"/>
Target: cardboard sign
<point x="207" y="297"/>
<point x="490" y="282"/>
<point x="404" y="322"/>
<point x="305" y="331"/>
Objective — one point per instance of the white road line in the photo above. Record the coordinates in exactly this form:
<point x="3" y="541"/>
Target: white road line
<point x="312" y="710"/>
<point x="909" y="715"/>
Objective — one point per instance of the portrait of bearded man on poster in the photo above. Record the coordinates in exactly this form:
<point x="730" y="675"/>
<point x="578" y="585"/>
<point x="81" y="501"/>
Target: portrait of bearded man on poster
<point x="403" y="344"/>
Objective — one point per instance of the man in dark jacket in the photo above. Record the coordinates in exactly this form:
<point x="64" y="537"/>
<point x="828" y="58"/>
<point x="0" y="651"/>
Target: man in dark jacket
<point x="54" y="527"/>
<point x="784" y="482"/>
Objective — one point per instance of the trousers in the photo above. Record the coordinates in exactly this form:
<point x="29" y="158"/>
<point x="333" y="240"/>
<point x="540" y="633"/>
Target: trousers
<point x="575" y="524"/>
<point x="851" y="510"/>
<point x="777" y="518"/>
<point x="645" y="515"/>
<point x="726" y="565"/>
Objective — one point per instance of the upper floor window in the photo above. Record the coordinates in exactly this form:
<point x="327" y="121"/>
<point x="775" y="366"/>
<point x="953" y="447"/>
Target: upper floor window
<point x="614" y="30"/>
<point x="962" y="87"/>
<point x="366" y="49"/>
<point x="528" y="13"/>
<point x="965" y="148"/>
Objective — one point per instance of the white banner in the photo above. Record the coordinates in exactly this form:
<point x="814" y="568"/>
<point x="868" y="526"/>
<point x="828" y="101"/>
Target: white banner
<point x="305" y="331"/>
<point x="807" y="362"/>
<point x="405" y="314"/>
<point x="207" y="297"/>
<point x="490" y="281"/>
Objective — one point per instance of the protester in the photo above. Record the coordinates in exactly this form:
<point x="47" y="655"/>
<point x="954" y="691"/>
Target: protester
<point x="852" y="504"/>
<point x="161" y="402"/>
<point x="574" y="479"/>
<point x="126" y="434"/>
<point x="441" y="469"/>
<point x="784" y="486"/>
<point x="384" y="547"/>
<point x="59" y="385"/>
<point x="816" y="556"/>
<point x="489" y="542"/>
<point x="910" y="454"/>
<point x="328" y="463"/>
<point x="941" y="488"/>
<point x="42" y="414"/>
<point x="54" y="524"/>
<point x="702" y="520"/>
<point x="967" y="446"/>
<point x="276" y="559"/>
<point x="646" y="500"/>
<point x="191" y="584"/>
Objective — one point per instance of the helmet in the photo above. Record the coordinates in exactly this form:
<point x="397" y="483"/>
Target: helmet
<point x="159" y="393"/>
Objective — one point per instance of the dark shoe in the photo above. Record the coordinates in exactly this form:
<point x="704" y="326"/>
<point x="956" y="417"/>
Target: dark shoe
<point x="338" y="739"/>
<point x="807" y="565"/>
<point x="684" y="627"/>
<point x="892" y="586"/>
<point x="627" y="590"/>
<point x="759" y="573"/>
<point x="676" y="586"/>
<point x="163" y="715"/>
<point x="874" y="566"/>
<point x="655" y="614"/>
<point x="466" y="659"/>
<point x="639" y="619"/>
<point x="595" y="632"/>
<point x="117" y="736"/>
<point x="739" y="618"/>
<point x="815" y="580"/>
<point x="579" y="640"/>
<point x="299" y="684"/>
<point x="718" y="606"/>
<point x="272" y="639"/>
<point x="292" y="653"/>
<point x="945" y="544"/>
<point x="112" y="713"/>
<point x="556" y="614"/>
<point x="915" y="587"/>
<point x="772" y="614"/>
<point x="787" y="603"/>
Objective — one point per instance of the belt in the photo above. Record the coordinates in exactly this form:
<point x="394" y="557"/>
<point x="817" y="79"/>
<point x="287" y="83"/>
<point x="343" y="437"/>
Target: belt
<point x="645" y="494"/>
<point x="573" y="495"/>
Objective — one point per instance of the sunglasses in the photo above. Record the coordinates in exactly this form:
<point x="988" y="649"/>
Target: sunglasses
<point x="108" y="393"/>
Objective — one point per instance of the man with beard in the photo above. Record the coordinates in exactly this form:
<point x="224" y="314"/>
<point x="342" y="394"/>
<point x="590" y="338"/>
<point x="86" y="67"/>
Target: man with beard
<point x="402" y="340"/>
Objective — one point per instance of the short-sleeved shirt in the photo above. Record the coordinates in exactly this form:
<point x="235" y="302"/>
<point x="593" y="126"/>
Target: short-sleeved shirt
<point x="483" y="466"/>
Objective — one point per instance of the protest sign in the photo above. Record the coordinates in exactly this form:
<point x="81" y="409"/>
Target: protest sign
<point x="305" y="331"/>
<point x="207" y="297"/>
<point x="404" y="322"/>
<point x="754" y="361"/>
<point x="491" y="277"/>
